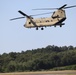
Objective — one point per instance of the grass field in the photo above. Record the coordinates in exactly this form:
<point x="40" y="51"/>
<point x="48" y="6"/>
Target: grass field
<point x="70" y="72"/>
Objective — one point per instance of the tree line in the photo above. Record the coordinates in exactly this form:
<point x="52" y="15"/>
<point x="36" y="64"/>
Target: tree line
<point x="38" y="59"/>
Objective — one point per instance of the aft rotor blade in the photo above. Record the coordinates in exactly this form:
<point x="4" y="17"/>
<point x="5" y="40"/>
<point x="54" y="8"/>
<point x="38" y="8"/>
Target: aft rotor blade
<point x="63" y="6"/>
<point x="51" y="8"/>
<point x="41" y="14"/>
<point x="69" y="7"/>
<point x="17" y="18"/>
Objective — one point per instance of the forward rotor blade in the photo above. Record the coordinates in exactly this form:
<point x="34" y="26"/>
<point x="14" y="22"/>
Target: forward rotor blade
<point x="17" y="18"/>
<point x="41" y="14"/>
<point x="69" y="7"/>
<point x="23" y="14"/>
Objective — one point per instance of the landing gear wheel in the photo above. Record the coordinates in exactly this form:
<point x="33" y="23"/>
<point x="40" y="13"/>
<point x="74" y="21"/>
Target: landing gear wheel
<point x="36" y="28"/>
<point x="42" y="28"/>
<point x="54" y="25"/>
<point x="60" y="25"/>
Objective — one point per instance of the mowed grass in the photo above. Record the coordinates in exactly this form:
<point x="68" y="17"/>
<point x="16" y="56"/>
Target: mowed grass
<point x="70" y="72"/>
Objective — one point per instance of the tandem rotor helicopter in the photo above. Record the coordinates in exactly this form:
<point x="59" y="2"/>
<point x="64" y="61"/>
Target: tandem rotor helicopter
<point x="57" y="18"/>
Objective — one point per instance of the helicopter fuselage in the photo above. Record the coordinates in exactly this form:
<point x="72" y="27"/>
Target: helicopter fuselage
<point x="56" y="19"/>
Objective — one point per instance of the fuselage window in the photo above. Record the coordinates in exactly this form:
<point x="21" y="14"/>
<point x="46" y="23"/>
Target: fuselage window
<point x="47" y="20"/>
<point x="61" y="11"/>
<point x="40" y="21"/>
<point x="51" y="20"/>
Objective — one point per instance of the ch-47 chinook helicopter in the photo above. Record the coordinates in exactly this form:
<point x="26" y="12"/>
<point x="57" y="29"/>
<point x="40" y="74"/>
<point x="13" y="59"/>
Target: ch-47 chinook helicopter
<point x="57" y="18"/>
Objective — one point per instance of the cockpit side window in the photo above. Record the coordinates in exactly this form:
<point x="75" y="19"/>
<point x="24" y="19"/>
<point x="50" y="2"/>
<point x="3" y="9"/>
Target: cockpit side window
<point x="29" y="22"/>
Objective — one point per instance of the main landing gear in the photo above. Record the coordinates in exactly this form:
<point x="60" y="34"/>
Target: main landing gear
<point x="36" y="28"/>
<point x="41" y="28"/>
<point x="60" y="25"/>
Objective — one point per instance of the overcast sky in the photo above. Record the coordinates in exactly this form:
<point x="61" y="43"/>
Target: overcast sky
<point x="15" y="38"/>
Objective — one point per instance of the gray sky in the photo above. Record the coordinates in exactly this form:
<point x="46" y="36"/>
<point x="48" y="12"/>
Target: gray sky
<point x="14" y="37"/>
